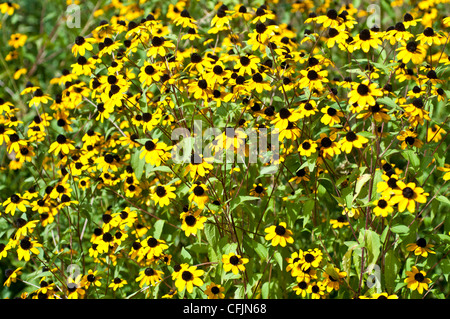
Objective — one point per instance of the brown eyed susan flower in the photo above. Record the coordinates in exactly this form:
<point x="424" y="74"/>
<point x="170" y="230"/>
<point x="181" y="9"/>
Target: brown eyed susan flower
<point x="155" y="152"/>
<point x="75" y="287"/>
<point x="330" y="20"/>
<point x="26" y="247"/>
<point x="311" y="258"/>
<point x="332" y="281"/>
<point x="364" y="93"/>
<point x="302" y="174"/>
<point x="417" y="280"/>
<point x="258" y="190"/>
<point x="17" y="40"/>
<point x="409" y="21"/>
<point x="162" y="194"/>
<point x="24" y="228"/>
<point x="301" y="288"/>
<point x="388" y="185"/>
<point x="192" y="222"/>
<point x="383" y="207"/>
<point x="328" y="145"/>
<point x="294" y="262"/>
<point x="189" y="276"/>
<point x="149" y="277"/>
<point x="398" y="34"/>
<point x="409" y="138"/>
<point x="153" y="248"/>
<point x="317" y="290"/>
<point x="8" y="8"/>
<point x="339" y="222"/>
<point x="429" y="37"/>
<point x="15" y="202"/>
<point x="366" y="39"/>
<point x="407" y="195"/>
<point x="199" y="194"/>
<point x="413" y="51"/>
<point x="378" y="112"/>
<point x="420" y="247"/>
<point x="150" y="73"/>
<point x="350" y="140"/>
<point x="5" y="248"/>
<point x="185" y="20"/>
<point x="331" y="116"/>
<point x="284" y="116"/>
<point x="191" y="35"/>
<point x="313" y="79"/>
<point x="117" y="283"/>
<point x="82" y="45"/>
<point x="383" y="295"/>
<point x="12" y="276"/>
<point x="247" y="64"/>
<point x="92" y="278"/>
<point x="61" y="145"/>
<point x="39" y="98"/>
<point x="214" y="291"/>
<point x="159" y="47"/>
<point x="307" y="147"/>
<point x="198" y="166"/>
<point x="83" y="66"/>
<point x="234" y="263"/>
<point x="336" y="37"/>
<point x="279" y="235"/>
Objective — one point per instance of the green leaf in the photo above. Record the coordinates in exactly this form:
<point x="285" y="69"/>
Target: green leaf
<point x="371" y="241"/>
<point x="262" y="251"/>
<point x="362" y="180"/>
<point x="235" y="202"/>
<point x="279" y="259"/>
<point x="391" y="269"/>
<point x="443" y="199"/>
<point x="400" y="229"/>
<point x="185" y="256"/>
<point x="211" y="233"/>
<point x="137" y="164"/>
<point x="157" y="228"/>
<point x="412" y="157"/>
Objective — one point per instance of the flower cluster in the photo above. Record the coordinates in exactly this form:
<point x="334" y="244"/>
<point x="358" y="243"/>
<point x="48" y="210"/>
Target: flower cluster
<point x="357" y="171"/>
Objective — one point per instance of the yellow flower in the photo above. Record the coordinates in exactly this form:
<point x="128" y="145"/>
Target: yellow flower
<point x="149" y="277"/>
<point x="363" y="93"/>
<point x="413" y="51"/>
<point x="383" y="207"/>
<point x="189" y="276"/>
<point x="8" y="8"/>
<point x="81" y="45"/>
<point x="162" y="194"/>
<point x="407" y="195"/>
<point x="214" y="291"/>
<point x="13" y="203"/>
<point x="420" y="248"/>
<point x="233" y="262"/>
<point x="352" y="140"/>
<point x="61" y="145"/>
<point x="26" y="247"/>
<point x="155" y="152"/>
<point x="417" y="280"/>
<point x="192" y="222"/>
<point x="117" y="283"/>
<point x="17" y="40"/>
<point x="279" y="234"/>
<point x="199" y="194"/>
